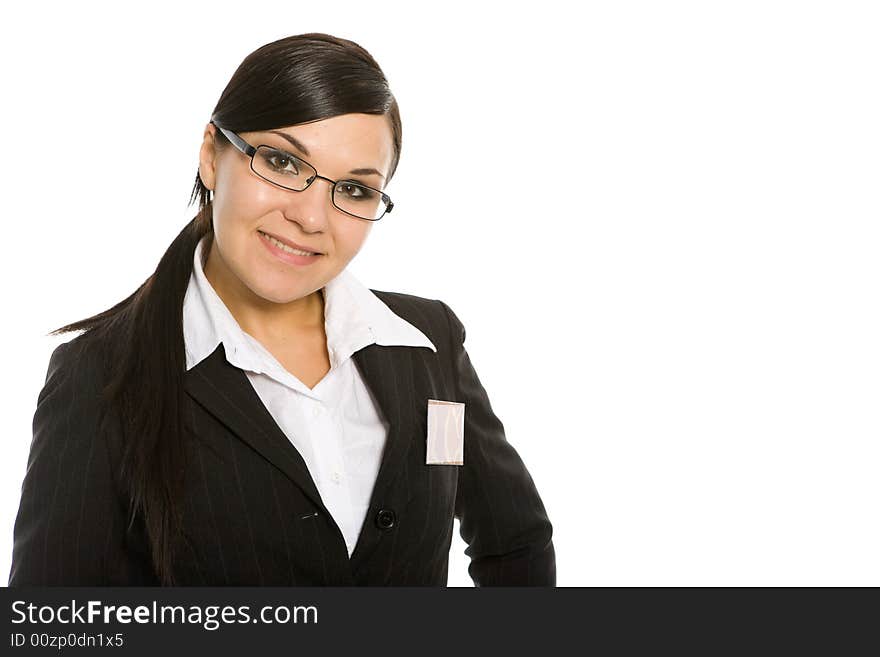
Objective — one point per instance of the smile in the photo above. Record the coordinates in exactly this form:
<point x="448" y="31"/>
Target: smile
<point x="287" y="254"/>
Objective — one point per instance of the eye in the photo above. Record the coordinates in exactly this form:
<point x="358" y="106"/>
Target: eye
<point x="354" y="191"/>
<point x="281" y="162"/>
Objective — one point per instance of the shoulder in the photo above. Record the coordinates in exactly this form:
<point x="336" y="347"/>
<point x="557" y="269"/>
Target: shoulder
<point x="80" y="362"/>
<point x="69" y="410"/>
<point x="432" y="317"/>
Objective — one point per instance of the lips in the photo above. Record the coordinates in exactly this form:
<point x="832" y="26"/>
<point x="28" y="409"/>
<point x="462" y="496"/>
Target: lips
<point x="292" y="244"/>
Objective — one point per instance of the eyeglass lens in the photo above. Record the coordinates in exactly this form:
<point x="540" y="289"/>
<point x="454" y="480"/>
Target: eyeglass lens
<point x="287" y="170"/>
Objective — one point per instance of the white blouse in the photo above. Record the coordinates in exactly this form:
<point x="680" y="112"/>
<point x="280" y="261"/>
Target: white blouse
<point x="336" y="426"/>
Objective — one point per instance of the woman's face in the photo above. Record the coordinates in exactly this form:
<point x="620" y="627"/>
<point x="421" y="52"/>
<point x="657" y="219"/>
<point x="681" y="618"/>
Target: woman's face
<point x="245" y="205"/>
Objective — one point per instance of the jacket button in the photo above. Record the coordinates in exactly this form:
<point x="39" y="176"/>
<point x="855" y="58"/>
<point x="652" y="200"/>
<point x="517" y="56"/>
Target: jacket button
<point x="385" y="519"/>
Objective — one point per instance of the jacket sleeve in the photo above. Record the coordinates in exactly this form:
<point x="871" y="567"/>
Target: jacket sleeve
<point x="70" y="527"/>
<point x="502" y="517"/>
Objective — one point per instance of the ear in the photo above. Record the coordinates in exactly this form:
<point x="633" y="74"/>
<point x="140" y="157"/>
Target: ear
<point x="208" y="158"/>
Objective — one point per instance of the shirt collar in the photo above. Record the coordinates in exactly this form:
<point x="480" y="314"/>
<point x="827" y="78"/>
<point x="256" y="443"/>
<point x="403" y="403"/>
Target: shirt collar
<point x="354" y="317"/>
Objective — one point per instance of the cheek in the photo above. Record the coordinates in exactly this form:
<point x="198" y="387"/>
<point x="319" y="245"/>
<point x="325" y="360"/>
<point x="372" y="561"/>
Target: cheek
<point x="240" y="200"/>
<point x="351" y="235"/>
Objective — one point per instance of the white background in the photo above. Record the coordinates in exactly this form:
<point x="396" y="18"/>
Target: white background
<point x="657" y="221"/>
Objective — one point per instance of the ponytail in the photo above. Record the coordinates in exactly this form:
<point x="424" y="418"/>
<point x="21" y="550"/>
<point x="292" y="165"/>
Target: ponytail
<point x="145" y="364"/>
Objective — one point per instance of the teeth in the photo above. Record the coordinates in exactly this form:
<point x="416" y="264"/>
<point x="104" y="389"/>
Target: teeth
<point x="284" y="247"/>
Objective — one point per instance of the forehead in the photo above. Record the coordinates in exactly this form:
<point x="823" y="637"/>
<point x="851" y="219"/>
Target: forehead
<point x="349" y="140"/>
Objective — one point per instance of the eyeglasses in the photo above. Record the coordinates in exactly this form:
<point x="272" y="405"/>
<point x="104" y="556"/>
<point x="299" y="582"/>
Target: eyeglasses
<point x="288" y="171"/>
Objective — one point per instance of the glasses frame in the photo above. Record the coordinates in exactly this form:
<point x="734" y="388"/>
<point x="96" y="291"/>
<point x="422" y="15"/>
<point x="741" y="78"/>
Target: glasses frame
<point x="250" y="151"/>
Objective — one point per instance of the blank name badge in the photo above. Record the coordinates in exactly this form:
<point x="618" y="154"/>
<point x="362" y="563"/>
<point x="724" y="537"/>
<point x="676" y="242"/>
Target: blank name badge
<point x="445" y="433"/>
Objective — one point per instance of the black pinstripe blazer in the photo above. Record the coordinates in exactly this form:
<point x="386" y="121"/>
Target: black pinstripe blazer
<point x="253" y="515"/>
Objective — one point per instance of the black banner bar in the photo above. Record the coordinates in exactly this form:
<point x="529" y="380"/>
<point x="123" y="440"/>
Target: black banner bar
<point x="449" y="621"/>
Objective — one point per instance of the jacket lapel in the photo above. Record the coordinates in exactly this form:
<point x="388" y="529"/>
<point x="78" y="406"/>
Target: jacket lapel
<point x="226" y="393"/>
<point x="388" y="372"/>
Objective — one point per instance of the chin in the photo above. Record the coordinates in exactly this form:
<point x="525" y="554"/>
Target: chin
<point x="280" y="297"/>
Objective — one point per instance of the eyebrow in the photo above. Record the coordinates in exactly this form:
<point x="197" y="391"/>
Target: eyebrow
<point x="297" y="144"/>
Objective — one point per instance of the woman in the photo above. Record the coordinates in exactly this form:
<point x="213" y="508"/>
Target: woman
<point x="252" y="414"/>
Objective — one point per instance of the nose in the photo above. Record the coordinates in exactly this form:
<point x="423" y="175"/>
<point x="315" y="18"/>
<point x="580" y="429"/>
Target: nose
<point x="312" y="206"/>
